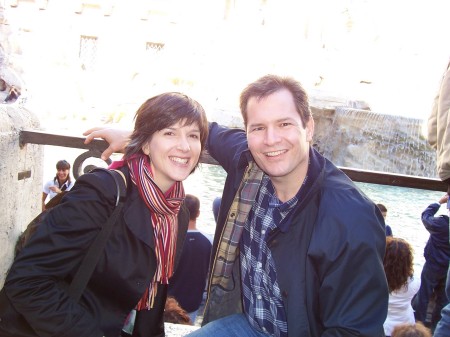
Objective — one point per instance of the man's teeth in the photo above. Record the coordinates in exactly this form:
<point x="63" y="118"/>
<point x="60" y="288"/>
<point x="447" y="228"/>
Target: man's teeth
<point x="275" y="153"/>
<point x="179" y="160"/>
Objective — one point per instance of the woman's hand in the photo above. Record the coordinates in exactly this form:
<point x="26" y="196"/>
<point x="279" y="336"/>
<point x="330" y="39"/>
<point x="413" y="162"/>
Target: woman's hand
<point x="116" y="138"/>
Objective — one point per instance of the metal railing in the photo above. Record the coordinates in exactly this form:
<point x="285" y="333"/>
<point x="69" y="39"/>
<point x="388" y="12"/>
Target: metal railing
<point x="97" y="146"/>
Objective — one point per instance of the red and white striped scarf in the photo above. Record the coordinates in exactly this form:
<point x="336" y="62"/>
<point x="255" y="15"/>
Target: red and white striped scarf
<point x="164" y="210"/>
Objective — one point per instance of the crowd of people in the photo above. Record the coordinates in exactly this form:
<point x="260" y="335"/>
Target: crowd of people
<point x="299" y="249"/>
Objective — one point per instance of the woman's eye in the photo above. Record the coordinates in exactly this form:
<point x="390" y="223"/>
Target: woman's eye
<point x="285" y="124"/>
<point x="195" y="136"/>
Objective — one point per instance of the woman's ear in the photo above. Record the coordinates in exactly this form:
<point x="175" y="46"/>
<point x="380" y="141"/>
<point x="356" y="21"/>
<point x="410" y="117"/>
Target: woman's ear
<point x="146" y="148"/>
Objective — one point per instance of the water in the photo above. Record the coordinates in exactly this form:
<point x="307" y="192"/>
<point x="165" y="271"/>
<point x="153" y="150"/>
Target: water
<point x="404" y="205"/>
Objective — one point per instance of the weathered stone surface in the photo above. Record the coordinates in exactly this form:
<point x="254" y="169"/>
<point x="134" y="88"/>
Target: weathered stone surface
<point x="20" y="200"/>
<point x="372" y="141"/>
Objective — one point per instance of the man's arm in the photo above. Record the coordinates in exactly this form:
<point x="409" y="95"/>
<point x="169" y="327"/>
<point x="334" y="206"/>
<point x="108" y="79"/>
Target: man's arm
<point x="348" y="247"/>
<point x="434" y="224"/>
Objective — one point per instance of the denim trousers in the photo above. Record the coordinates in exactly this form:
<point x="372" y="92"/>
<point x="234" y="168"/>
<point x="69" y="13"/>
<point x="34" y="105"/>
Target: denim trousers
<point x="235" y="325"/>
<point x="432" y="281"/>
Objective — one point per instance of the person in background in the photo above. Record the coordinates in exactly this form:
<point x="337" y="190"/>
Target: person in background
<point x="439" y="128"/>
<point x="174" y="313"/>
<point x="383" y="210"/>
<point x="187" y="285"/>
<point x="399" y="269"/>
<point x="142" y="251"/>
<point x="61" y="182"/>
<point x="215" y="207"/>
<point x="298" y="248"/>
<point x="443" y="327"/>
<point x="411" y="330"/>
<point x="434" y="272"/>
<point x="439" y="139"/>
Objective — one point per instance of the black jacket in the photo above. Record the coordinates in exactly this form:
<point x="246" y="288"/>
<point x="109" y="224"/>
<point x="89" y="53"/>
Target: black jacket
<point x="37" y="282"/>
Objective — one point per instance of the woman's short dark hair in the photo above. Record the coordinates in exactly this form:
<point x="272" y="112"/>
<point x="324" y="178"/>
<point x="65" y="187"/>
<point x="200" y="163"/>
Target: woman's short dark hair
<point x="162" y="111"/>
<point x="269" y="84"/>
<point x="398" y="263"/>
<point x="62" y="165"/>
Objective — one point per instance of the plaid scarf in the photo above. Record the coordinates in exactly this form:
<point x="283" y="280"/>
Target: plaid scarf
<point x="240" y="208"/>
<point x="164" y="210"/>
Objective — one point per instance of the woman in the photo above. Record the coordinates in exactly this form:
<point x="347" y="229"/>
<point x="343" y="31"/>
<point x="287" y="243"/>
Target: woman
<point x="144" y="247"/>
<point x="60" y="183"/>
<point x="398" y="266"/>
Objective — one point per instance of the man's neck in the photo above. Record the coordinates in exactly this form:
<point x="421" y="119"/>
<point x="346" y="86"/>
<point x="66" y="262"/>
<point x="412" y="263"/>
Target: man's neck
<point x="287" y="187"/>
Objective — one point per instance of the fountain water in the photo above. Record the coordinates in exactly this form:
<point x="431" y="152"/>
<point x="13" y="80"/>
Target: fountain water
<point x="367" y="140"/>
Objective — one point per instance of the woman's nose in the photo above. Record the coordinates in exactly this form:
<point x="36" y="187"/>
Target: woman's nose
<point x="183" y="144"/>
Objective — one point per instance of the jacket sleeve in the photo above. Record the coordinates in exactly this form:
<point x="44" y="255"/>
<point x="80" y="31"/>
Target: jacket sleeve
<point x="353" y="293"/>
<point x="37" y="284"/>
<point x="439" y="124"/>
<point x="434" y="225"/>
<point x="226" y="145"/>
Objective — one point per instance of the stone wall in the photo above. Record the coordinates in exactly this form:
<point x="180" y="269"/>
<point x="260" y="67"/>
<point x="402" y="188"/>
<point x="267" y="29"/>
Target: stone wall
<point x="372" y="141"/>
<point x="20" y="179"/>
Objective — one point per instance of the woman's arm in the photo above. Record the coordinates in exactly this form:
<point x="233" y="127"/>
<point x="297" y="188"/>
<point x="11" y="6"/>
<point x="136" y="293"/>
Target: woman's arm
<point x="37" y="284"/>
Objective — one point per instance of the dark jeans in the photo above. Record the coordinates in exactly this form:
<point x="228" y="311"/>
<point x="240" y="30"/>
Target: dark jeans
<point x="432" y="281"/>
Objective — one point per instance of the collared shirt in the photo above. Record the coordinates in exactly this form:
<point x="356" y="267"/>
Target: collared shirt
<point x="263" y="303"/>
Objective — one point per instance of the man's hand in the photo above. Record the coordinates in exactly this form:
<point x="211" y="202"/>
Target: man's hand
<point x="116" y="138"/>
<point x="443" y="199"/>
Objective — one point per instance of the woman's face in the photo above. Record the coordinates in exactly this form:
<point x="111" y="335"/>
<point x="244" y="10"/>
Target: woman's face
<point x="174" y="152"/>
<point x="62" y="174"/>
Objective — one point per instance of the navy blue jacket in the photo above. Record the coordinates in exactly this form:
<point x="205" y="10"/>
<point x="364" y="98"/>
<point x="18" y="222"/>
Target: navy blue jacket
<point x="437" y="249"/>
<point x="329" y="262"/>
<point x="187" y="284"/>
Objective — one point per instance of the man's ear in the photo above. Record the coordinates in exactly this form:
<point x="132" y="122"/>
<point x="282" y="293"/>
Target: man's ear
<point x="310" y="129"/>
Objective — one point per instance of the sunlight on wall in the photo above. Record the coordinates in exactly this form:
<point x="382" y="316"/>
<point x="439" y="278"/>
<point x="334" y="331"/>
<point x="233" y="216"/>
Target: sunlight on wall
<point x="387" y="53"/>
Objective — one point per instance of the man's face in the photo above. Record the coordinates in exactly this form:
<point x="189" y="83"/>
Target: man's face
<point x="277" y="138"/>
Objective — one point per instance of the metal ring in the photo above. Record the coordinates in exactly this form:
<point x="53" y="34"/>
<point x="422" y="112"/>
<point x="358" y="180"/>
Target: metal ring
<point x="78" y="163"/>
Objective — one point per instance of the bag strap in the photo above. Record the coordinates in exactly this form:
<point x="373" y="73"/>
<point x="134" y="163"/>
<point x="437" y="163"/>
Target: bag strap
<point x="92" y="256"/>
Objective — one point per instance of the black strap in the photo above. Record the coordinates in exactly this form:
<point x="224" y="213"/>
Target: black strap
<point x="92" y="256"/>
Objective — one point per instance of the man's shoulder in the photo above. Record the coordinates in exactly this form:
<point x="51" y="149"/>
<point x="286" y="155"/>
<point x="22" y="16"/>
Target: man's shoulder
<point x="198" y="235"/>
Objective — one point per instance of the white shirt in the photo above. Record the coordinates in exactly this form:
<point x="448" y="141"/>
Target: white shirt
<point x="52" y="182"/>
<point x="400" y="310"/>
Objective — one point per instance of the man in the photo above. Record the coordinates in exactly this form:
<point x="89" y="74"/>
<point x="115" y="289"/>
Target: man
<point x="298" y="249"/>
<point x="434" y="272"/>
<point x="188" y="282"/>
<point x="383" y="211"/>
<point x="439" y="139"/>
<point x="439" y="128"/>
